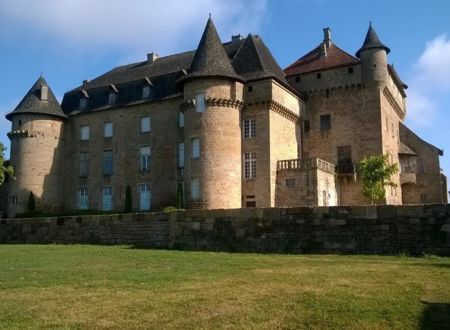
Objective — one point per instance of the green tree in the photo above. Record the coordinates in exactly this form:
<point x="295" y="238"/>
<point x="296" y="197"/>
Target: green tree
<point x="4" y="169"/>
<point x="375" y="173"/>
<point x="128" y="200"/>
<point x="31" y="202"/>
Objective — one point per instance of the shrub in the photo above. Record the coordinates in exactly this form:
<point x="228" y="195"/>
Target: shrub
<point x="31" y="202"/>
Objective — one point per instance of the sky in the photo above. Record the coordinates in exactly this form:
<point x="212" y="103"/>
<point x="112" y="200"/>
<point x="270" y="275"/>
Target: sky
<point x="72" y="40"/>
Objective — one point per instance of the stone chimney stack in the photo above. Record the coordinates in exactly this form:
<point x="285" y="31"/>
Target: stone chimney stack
<point x="152" y="57"/>
<point x="323" y="51"/>
<point x="327" y="37"/>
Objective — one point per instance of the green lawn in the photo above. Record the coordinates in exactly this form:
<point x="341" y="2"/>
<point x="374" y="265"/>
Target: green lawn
<point x="82" y="286"/>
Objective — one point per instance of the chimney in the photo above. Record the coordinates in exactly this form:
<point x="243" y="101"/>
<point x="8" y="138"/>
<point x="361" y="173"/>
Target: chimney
<point x="236" y="37"/>
<point x="323" y="51"/>
<point x="44" y="93"/>
<point x="327" y="37"/>
<point x="85" y="81"/>
<point x="152" y="57"/>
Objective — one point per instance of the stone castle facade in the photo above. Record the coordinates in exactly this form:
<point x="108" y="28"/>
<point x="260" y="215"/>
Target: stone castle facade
<point x="221" y="127"/>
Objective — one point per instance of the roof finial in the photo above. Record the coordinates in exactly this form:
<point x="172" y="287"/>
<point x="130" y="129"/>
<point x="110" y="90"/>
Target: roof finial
<point x="370" y="23"/>
<point x="41" y="75"/>
<point x="209" y="15"/>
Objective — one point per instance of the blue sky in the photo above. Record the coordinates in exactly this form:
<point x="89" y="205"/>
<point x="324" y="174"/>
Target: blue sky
<point x="73" y="40"/>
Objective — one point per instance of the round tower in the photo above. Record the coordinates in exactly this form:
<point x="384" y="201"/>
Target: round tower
<point x="36" y="133"/>
<point x="373" y="55"/>
<point x="213" y="95"/>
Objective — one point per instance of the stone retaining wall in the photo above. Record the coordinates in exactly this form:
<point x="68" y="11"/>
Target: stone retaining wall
<point x="364" y="229"/>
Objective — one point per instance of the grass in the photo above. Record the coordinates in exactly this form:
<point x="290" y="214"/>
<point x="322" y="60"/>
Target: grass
<point x="85" y="287"/>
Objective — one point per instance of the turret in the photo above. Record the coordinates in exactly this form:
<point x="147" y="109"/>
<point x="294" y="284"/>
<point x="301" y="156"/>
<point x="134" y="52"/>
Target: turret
<point x="373" y="55"/>
<point x="37" y="124"/>
<point x="213" y="95"/>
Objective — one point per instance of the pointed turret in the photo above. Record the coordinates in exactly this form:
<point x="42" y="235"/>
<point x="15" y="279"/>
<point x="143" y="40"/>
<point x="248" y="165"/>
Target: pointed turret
<point x="39" y="100"/>
<point x="210" y="58"/>
<point x="372" y="42"/>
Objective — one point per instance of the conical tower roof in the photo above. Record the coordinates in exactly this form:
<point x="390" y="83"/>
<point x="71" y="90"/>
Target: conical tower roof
<point x="254" y="61"/>
<point x="210" y="59"/>
<point x="372" y="41"/>
<point x="37" y="101"/>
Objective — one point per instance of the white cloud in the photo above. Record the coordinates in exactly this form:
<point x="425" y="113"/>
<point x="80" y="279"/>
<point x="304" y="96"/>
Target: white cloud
<point x="430" y="77"/>
<point x="135" y="25"/>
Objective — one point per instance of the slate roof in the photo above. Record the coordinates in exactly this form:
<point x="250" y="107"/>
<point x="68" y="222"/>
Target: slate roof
<point x="210" y="59"/>
<point x="405" y="150"/>
<point x="372" y="41"/>
<point x="406" y="132"/>
<point x="316" y="61"/>
<point x="32" y="103"/>
<point x="254" y="61"/>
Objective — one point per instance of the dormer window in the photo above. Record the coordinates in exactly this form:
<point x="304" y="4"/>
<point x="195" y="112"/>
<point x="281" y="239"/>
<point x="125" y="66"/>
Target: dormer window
<point x="112" y="98"/>
<point x="83" y="103"/>
<point x="146" y="90"/>
<point x="44" y="93"/>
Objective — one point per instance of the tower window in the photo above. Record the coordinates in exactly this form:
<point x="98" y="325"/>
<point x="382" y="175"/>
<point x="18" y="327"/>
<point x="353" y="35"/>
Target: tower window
<point x="319" y="75"/>
<point x="350" y="69"/>
<point x="250" y="165"/>
<point x="145" y="125"/>
<point x="195" y="148"/>
<point x="290" y="183"/>
<point x="325" y="122"/>
<point x="297" y="79"/>
<point x="250" y="88"/>
<point x="306" y="126"/>
<point x="108" y="129"/>
<point x="249" y="128"/>
<point x="195" y="188"/>
<point x="20" y="122"/>
<point x="180" y="155"/>
<point x="200" y="103"/>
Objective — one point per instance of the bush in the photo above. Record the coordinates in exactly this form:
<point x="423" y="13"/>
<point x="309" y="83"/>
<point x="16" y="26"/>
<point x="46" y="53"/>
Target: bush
<point x="128" y="200"/>
<point x="31" y="202"/>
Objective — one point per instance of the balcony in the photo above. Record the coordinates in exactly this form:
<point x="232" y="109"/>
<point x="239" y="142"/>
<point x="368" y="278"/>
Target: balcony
<point x="408" y="178"/>
<point x="305" y="164"/>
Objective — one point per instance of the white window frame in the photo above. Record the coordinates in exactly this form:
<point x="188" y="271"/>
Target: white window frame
<point x="107" y="162"/>
<point x="145" y="204"/>
<point x="112" y="97"/>
<point x="181" y="155"/>
<point x="145" y="158"/>
<point x="83" y="103"/>
<point x="249" y="165"/>
<point x="107" y="204"/>
<point x="84" y="133"/>
<point x="180" y="119"/>
<point x="84" y="163"/>
<point x="146" y="124"/>
<point x="195" y="144"/>
<point x="108" y="129"/>
<point x="83" y="199"/>
<point x="249" y="128"/>
<point x="200" y="104"/>
<point x="195" y="188"/>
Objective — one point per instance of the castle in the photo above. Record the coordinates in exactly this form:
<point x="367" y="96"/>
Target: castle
<point x="221" y="127"/>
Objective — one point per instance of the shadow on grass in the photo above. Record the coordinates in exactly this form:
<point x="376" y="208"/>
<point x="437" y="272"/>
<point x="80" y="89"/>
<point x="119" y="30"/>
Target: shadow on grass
<point x="435" y="316"/>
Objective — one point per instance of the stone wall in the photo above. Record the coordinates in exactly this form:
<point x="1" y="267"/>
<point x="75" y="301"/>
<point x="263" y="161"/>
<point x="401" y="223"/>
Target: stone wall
<point x="383" y="229"/>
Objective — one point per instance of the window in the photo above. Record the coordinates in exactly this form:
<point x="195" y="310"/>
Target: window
<point x="249" y="128"/>
<point x="319" y="75"/>
<point x="107" y="162"/>
<point x="83" y="200"/>
<point x="13" y="200"/>
<point x="250" y="204"/>
<point x="325" y="122"/>
<point x="195" y="188"/>
<point x="200" y="103"/>
<point x="250" y="88"/>
<point x="145" y="124"/>
<point x="84" y="163"/>
<point x="144" y="157"/>
<point x="144" y="197"/>
<point x="250" y="165"/>
<point x="83" y="103"/>
<point x="146" y="92"/>
<point x="107" y="199"/>
<point x="350" y="69"/>
<point x="345" y="163"/>
<point x="180" y="119"/>
<point x="290" y="183"/>
<point x="84" y="132"/>
<point x="306" y="125"/>
<point x="181" y="155"/>
<point x="392" y="125"/>
<point x="297" y="79"/>
<point x="112" y="98"/>
<point x="108" y="130"/>
<point x="423" y="198"/>
<point x="195" y="148"/>
<point x="20" y="122"/>
<point x="421" y="166"/>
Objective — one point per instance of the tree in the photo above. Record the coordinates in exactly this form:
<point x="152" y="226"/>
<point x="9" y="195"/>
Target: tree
<point x="375" y="173"/>
<point x="4" y="169"/>
<point x="128" y="200"/>
<point x="31" y="202"/>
